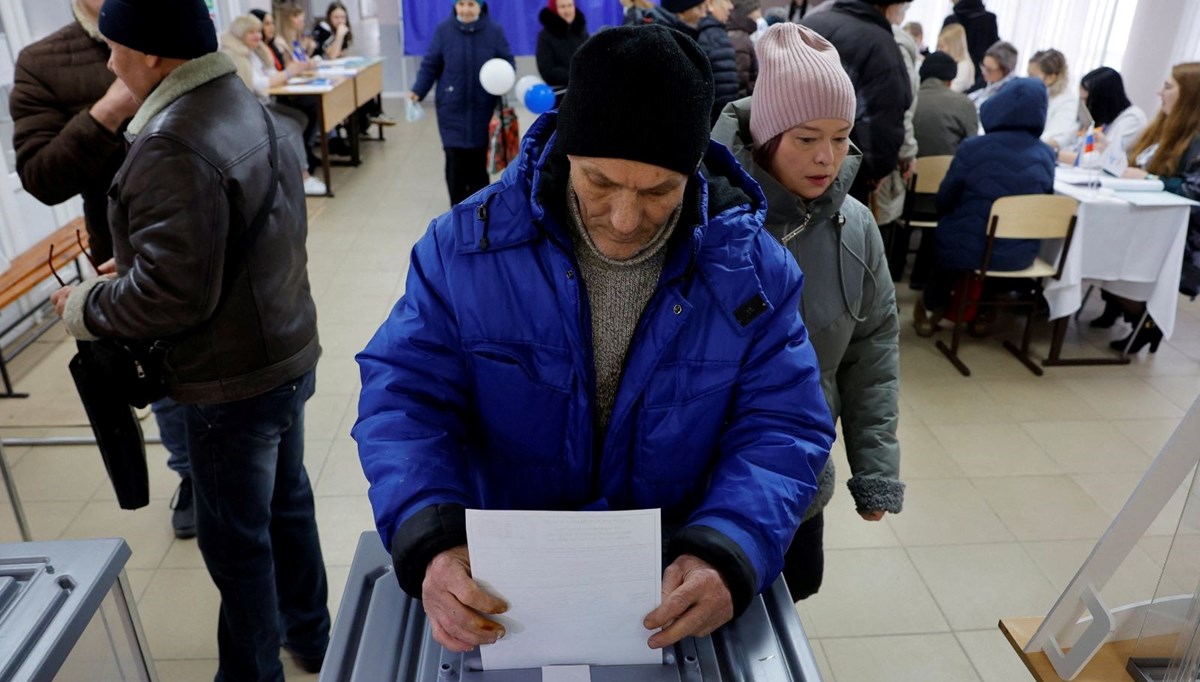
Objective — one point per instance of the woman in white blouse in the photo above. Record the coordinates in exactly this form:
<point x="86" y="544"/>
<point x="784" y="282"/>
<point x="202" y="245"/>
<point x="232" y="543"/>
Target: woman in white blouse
<point x="1062" y="119"/>
<point x="953" y="41"/>
<point x="1117" y="119"/>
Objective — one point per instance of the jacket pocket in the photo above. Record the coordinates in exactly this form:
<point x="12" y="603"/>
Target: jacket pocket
<point x="685" y="408"/>
<point x="523" y="396"/>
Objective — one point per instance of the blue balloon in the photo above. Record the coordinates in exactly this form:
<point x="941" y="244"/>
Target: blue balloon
<point x="539" y="99"/>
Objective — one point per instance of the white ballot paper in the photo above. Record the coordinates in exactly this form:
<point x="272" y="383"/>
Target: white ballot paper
<point x="578" y="585"/>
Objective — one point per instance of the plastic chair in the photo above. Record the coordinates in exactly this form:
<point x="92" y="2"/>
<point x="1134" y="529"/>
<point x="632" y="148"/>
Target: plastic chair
<point x="1035" y="216"/>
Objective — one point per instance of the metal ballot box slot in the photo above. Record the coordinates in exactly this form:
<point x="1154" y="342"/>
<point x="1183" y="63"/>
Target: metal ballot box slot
<point x="381" y="635"/>
<point x="67" y="614"/>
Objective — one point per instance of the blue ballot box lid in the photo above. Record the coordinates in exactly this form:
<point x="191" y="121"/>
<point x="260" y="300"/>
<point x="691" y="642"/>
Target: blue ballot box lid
<point x="49" y="592"/>
<point x="381" y="635"/>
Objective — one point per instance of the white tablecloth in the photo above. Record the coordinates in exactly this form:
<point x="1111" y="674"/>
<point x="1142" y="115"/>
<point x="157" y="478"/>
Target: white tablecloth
<point x="1134" y="252"/>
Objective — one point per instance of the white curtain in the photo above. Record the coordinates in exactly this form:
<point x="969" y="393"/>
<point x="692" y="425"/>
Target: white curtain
<point x="1090" y="33"/>
<point x="1188" y="47"/>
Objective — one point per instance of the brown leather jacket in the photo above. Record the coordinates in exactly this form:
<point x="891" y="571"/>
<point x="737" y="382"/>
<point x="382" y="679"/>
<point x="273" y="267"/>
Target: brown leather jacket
<point x="195" y="177"/>
<point x="61" y="150"/>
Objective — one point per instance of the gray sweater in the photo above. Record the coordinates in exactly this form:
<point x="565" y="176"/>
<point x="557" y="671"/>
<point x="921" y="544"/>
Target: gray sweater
<point x="618" y="292"/>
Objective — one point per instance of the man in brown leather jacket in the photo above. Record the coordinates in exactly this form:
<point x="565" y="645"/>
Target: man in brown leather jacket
<point x="69" y="115"/>
<point x="226" y="288"/>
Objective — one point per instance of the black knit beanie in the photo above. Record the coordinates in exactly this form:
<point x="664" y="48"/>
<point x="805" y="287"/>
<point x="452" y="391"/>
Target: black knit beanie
<point x="641" y="93"/>
<point x="679" y="6"/>
<point x="939" y="65"/>
<point x="174" y="29"/>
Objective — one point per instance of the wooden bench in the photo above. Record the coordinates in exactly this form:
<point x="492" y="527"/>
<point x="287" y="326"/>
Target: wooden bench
<point x="30" y="269"/>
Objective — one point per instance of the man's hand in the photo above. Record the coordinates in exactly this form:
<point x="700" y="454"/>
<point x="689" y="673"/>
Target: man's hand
<point x="108" y="268"/>
<point x="116" y="106"/>
<point x="695" y="602"/>
<point x="59" y="299"/>
<point x="454" y="603"/>
<point x="871" y="515"/>
<point x="906" y="168"/>
<point x="413" y="97"/>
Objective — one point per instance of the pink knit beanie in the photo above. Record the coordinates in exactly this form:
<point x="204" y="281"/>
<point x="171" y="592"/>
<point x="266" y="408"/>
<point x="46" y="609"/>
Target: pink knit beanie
<point x="800" y="78"/>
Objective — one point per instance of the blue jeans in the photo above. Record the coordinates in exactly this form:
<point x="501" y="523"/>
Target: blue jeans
<point x="257" y="529"/>
<point x="172" y="427"/>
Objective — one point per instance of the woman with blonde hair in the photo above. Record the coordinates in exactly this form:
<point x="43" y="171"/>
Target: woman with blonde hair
<point x="953" y="41"/>
<point x="1062" y="120"/>
<point x="289" y="33"/>
<point x="1168" y="150"/>
<point x="255" y="64"/>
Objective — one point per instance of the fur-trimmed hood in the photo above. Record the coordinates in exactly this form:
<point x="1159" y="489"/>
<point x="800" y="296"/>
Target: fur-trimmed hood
<point x="559" y="28"/>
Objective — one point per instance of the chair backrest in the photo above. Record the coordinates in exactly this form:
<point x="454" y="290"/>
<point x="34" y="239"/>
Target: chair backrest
<point x="929" y="171"/>
<point x="1033" y="216"/>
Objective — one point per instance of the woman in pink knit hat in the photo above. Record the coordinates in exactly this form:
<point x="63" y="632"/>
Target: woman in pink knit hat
<point x="793" y="137"/>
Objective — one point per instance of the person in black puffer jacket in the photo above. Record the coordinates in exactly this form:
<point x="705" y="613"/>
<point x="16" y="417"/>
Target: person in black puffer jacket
<point x="564" y="29"/>
<point x="741" y="28"/>
<point x="862" y="34"/>
<point x="704" y="21"/>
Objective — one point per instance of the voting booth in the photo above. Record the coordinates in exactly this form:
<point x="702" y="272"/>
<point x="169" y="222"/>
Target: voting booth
<point x="67" y="614"/>
<point x="381" y="635"/>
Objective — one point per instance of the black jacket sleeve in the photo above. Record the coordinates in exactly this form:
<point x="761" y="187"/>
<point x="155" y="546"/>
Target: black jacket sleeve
<point x="425" y="535"/>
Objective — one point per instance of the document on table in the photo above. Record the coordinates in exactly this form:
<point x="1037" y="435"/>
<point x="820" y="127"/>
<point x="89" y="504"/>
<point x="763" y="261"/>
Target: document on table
<point x="1155" y="199"/>
<point x="578" y="585"/>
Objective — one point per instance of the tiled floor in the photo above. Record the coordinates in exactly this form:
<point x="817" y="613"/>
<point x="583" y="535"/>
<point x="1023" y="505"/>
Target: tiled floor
<point x="1011" y="477"/>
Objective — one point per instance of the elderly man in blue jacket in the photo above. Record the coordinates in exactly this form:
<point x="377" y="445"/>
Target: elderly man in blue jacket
<point x="607" y="327"/>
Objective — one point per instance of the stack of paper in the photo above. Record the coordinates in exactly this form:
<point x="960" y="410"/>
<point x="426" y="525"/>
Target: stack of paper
<point x="1086" y="177"/>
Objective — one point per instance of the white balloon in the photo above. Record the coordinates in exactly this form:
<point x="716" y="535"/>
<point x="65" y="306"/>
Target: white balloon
<point x="524" y="84"/>
<point x="497" y="76"/>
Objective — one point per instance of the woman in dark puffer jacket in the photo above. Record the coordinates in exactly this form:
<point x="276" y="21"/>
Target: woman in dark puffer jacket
<point x="564" y="29"/>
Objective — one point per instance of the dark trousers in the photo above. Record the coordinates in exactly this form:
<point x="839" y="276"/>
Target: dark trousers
<point x="257" y="530"/>
<point x="804" y="562"/>
<point x="940" y="287"/>
<point x="466" y="172"/>
<point x="309" y="106"/>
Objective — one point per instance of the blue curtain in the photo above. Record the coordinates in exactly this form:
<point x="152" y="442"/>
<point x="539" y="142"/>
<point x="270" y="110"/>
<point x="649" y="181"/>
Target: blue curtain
<point x="518" y="17"/>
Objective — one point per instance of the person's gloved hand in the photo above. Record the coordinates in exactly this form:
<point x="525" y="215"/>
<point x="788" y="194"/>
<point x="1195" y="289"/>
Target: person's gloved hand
<point x="455" y="603"/>
<point x="695" y="602"/>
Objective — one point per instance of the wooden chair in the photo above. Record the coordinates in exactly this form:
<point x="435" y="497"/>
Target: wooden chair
<point x="1035" y="216"/>
<point x="920" y="213"/>
<point x="928" y="173"/>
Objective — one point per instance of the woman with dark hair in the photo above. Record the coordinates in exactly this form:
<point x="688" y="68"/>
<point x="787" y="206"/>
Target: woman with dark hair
<point x="1119" y="120"/>
<point x="564" y="29"/>
<point x="332" y="34"/>
<point x="1169" y="150"/>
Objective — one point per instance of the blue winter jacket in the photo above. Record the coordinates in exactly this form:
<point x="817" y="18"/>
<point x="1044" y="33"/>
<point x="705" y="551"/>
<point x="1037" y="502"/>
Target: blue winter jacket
<point x="1007" y="161"/>
<point x="455" y="55"/>
<point x="478" y="391"/>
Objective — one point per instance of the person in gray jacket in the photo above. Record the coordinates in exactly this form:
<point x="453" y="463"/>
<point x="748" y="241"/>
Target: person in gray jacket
<point x="792" y="136"/>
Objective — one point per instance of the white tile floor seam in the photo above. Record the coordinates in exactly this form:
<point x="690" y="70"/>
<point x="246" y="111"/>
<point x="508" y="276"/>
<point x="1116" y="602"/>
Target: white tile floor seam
<point x="988" y="460"/>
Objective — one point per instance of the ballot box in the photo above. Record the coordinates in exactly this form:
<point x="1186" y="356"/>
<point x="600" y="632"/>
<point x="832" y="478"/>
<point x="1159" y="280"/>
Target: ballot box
<point x="381" y="635"/>
<point x="67" y="614"/>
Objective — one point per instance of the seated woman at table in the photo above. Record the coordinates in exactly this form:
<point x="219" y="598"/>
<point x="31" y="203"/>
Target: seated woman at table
<point x="1118" y="120"/>
<point x="1062" y="121"/>
<point x="1169" y="150"/>
<point x="1009" y="160"/>
<point x="290" y="40"/>
<point x="333" y="38"/>
<point x="243" y="42"/>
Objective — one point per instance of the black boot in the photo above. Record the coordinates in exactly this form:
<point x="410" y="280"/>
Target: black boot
<point x="1112" y="311"/>
<point x="183" y="516"/>
<point x="1149" y="333"/>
